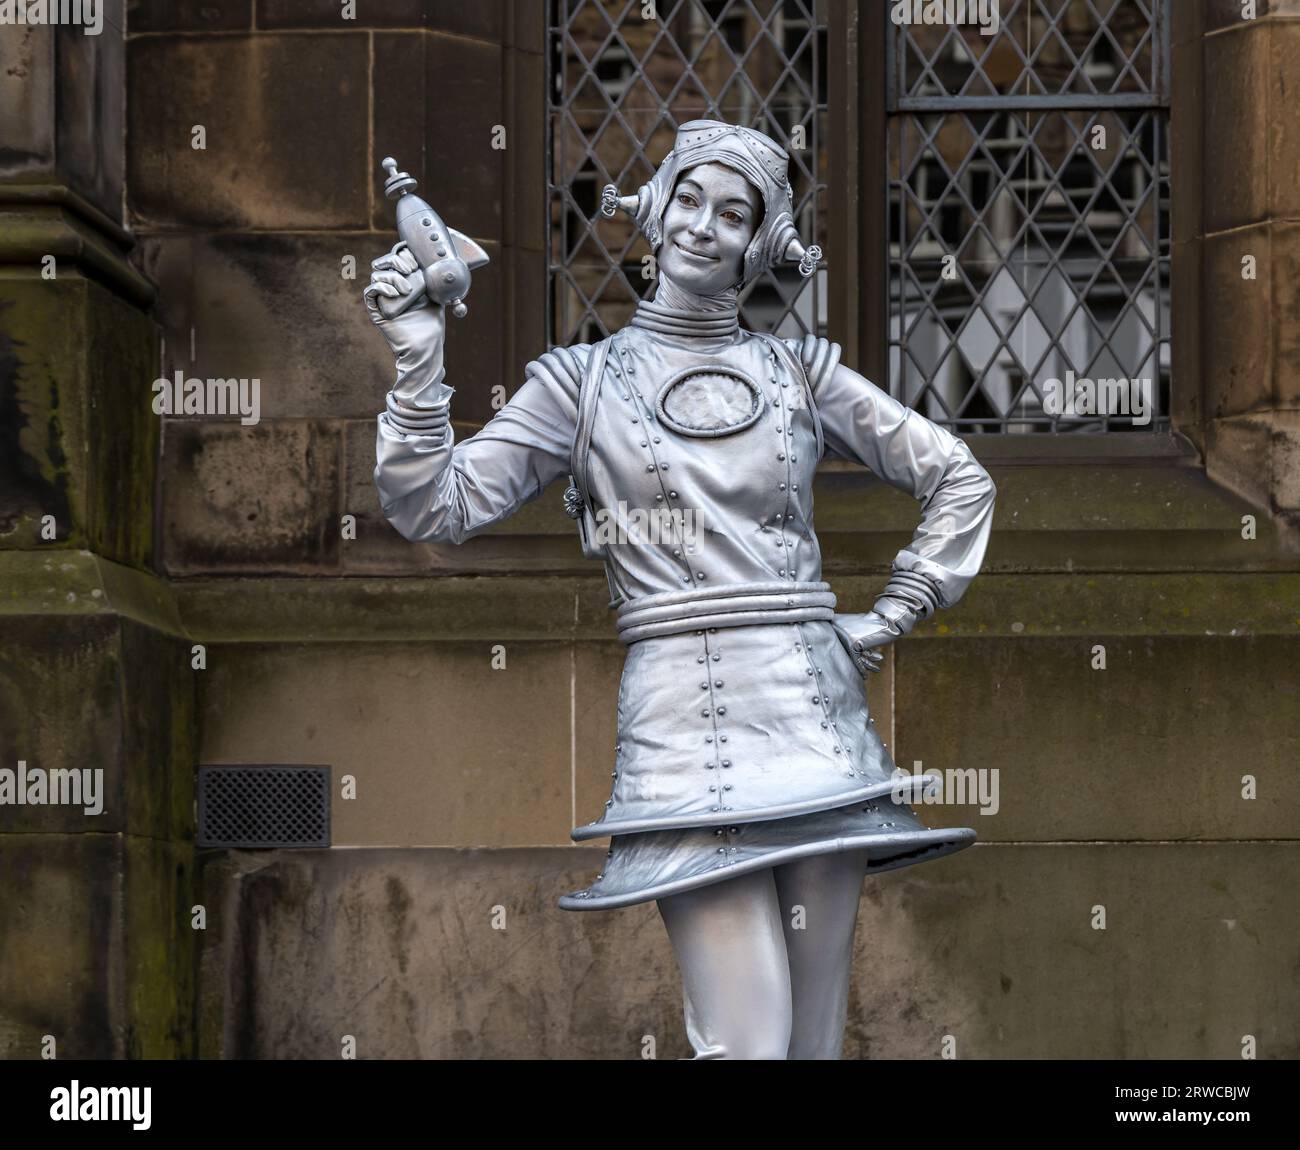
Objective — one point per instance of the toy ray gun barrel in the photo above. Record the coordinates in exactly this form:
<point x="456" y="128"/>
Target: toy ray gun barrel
<point x="446" y="257"/>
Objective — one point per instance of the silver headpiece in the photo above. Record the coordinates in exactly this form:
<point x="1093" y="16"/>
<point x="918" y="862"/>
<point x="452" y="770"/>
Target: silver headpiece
<point x="758" y="158"/>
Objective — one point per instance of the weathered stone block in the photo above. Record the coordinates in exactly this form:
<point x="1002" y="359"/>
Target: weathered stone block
<point x="1237" y="369"/>
<point x="266" y="164"/>
<point x="528" y="139"/>
<point x="27" y="99"/>
<point x="1286" y="457"/>
<point x="95" y="947"/>
<point x="60" y="118"/>
<point x="122" y="432"/>
<point x="76" y="363"/>
<point x="33" y="462"/>
<point x="1236" y="128"/>
<point x="1185" y="141"/>
<point x="1280" y="119"/>
<point x="94" y="690"/>
<point x="996" y="946"/>
<point x="60" y="928"/>
<point x="445" y="749"/>
<point x="189" y="15"/>
<point x="157" y="963"/>
<point x="261" y="498"/>
<point x="1284" y="241"/>
<point x="529" y="25"/>
<point x="275" y="308"/>
<point x="1187" y="400"/>
<point x="1153" y="747"/>
<point x="1221" y="14"/>
<point x="158" y="699"/>
<point x="464" y="104"/>
<point x="481" y="607"/>
<point x="528" y="295"/>
<point x="446" y="139"/>
<point x="1256" y="456"/>
<point x="560" y="986"/>
<point x="1188" y="22"/>
<point x="61" y="709"/>
<point x="328" y="14"/>
<point x="401" y="128"/>
<point x="485" y="20"/>
<point x="91" y="72"/>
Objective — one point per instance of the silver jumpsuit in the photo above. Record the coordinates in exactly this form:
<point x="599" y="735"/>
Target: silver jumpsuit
<point x="744" y="738"/>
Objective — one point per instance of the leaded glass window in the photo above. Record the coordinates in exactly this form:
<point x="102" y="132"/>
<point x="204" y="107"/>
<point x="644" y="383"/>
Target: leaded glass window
<point x="1028" y="208"/>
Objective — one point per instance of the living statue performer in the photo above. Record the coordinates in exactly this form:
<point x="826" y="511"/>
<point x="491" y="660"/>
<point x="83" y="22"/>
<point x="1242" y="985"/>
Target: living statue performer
<point x="751" y="790"/>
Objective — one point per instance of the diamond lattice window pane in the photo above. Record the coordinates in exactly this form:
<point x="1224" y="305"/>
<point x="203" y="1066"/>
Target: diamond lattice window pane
<point x="1040" y="47"/>
<point x="1028" y="187"/>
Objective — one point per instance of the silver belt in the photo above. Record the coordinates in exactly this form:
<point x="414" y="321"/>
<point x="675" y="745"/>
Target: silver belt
<point x="737" y="605"/>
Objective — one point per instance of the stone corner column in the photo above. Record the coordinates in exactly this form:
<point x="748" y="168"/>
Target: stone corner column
<point x="95" y="940"/>
<point x="1236" y="247"/>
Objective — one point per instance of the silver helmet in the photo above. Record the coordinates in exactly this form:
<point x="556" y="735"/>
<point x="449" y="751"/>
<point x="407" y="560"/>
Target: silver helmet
<point x="758" y="158"/>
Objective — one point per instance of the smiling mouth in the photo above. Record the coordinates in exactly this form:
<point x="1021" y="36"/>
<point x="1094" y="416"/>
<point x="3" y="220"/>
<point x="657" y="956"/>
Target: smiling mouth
<point x="696" y="255"/>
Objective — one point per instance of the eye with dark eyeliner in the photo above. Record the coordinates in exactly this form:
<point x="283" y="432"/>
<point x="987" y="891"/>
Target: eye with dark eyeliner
<point x="730" y="214"/>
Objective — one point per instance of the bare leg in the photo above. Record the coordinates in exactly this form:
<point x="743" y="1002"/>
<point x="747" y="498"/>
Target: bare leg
<point x="827" y="888"/>
<point x="730" y="947"/>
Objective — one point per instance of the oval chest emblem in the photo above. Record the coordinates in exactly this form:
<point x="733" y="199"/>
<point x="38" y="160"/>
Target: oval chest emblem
<point x="707" y="402"/>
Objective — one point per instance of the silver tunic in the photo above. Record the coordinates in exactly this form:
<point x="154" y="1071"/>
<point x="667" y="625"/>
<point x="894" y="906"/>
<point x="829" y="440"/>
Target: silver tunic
<point x="744" y="741"/>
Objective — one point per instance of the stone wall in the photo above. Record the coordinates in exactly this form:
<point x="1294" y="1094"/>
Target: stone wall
<point x="96" y="952"/>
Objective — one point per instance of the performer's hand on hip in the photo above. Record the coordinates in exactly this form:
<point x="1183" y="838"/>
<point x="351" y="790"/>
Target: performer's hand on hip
<point x="890" y="619"/>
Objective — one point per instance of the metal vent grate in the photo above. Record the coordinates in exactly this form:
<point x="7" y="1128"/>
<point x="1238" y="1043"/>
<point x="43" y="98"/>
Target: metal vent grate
<point x="264" y="806"/>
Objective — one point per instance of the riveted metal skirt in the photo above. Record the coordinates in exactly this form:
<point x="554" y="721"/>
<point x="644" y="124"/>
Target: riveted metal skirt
<point x="655" y="864"/>
<point x="731" y="724"/>
<point x="743" y="747"/>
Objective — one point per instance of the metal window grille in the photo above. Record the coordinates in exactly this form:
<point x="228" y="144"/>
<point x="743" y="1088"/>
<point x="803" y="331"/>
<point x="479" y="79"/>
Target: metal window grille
<point x="1028" y="205"/>
<point x="624" y="74"/>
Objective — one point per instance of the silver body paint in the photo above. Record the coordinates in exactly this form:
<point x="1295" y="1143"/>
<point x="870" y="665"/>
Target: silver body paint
<point x="749" y="785"/>
<point x="746" y="740"/>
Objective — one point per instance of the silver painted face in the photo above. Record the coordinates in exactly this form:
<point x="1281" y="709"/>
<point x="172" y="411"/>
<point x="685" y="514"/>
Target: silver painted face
<point x="713" y="215"/>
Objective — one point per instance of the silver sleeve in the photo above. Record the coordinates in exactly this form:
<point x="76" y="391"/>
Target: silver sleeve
<point x="433" y="489"/>
<point x="861" y="422"/>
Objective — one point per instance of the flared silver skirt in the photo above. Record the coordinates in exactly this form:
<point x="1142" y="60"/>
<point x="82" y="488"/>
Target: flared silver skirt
<point x="745" y="747"/>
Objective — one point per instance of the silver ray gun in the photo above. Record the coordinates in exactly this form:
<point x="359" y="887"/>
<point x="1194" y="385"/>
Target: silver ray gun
<point x="446" y="257"/>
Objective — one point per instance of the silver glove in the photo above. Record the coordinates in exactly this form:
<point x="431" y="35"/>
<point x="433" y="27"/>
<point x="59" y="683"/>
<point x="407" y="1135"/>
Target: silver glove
<point x="419" y="399"/>
<point x="869" y="632"/>
<point x="907" y="598"/>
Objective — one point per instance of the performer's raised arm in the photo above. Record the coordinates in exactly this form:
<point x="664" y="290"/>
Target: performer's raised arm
<point x="431" y="488"/>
